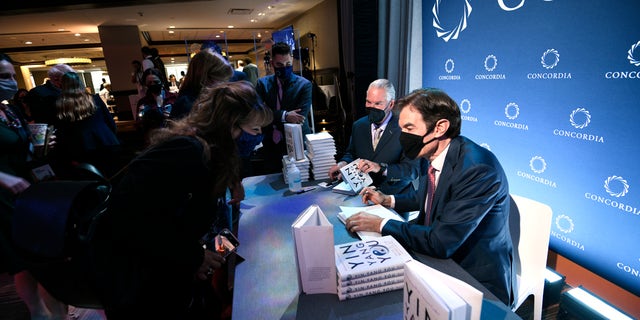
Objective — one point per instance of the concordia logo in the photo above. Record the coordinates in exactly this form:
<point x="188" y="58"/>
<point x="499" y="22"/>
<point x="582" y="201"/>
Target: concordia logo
<point x="579" y="119"/>
<point x="490" y="64"/>
<point x="447" y="34"/>
<point x="616" y="187"/>
<point x="465" y="107"/>
<point x="633" y="55"/>
<point x="511" y="111"/>
<point x="549" y="61"/>
<point x="565" y="224"/>
<point x="449" y="66"/>
<point x="538" y="165"/>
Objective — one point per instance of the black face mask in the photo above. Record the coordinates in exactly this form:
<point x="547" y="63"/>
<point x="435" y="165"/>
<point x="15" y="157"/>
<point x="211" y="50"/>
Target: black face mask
<point x="376" y="115"/>
<point x="412" y="144"/>
<point x="155" y="88"/>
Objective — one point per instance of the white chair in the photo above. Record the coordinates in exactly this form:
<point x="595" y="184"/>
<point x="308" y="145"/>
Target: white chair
<point x="530" y="223"/>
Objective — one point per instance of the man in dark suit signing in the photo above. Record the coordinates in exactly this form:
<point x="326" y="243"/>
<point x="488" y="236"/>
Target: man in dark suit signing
<point x="289" y="97"/>
<point x="374" y="139"/>
<point x="463" y="196"/>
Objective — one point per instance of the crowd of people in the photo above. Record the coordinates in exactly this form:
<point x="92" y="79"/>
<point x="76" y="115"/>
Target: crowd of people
<point x="199" y="142"/>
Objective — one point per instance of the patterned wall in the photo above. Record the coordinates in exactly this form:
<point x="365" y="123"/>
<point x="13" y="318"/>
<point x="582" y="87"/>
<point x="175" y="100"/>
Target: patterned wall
<point x="553" y="89"/>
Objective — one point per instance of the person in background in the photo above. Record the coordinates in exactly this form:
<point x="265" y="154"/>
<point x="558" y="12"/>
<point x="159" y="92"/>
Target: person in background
<point x="149" y="254"/>
<point x="214" y="47"/>
<point x="105" y="93"/>
<point x="147" y="58"/>
<point x="86" y="131"/>
<point x="18" y="101"/>
<point x="205" y="69"/>
<point x="182" y="75"/>
<point x="158" y="64"/>
<point x="15" y="178"/>
<point x="289" y="97"/>
<point x="156" y="104"/>
<point x="463" y="196"/>
<point x="375" y="140"/>
<point x="42" y="99"/>
<point x="173" y="84"/>
<point x="251" y="70"/>
<point x="136" y="77"/>
<point x="104" y="82"/>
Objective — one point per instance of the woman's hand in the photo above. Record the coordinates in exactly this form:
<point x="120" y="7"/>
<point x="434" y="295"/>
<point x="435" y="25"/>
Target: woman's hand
<point x="237" y="194"/>
<point x="212" y="260"/>
<point x="13" y="183"/>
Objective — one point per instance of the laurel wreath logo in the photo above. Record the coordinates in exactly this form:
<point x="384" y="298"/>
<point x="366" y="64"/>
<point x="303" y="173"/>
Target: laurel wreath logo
<point x="514" y="106"/>
<point x="449" y="65"/>
<point x="587" y="118"/>
<point x="537" y="159"/>
<point x="493" y="59"/>
<point x="446" y="35"/>
<point x="631" y="57"/>
<point x="625" y="186"/>
<point x="556" y="58"/>
<point x="567" y="221"/>
<point x="465" y="106"/>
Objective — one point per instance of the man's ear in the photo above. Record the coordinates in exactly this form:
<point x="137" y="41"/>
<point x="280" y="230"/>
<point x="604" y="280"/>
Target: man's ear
<point x="442" y="126"/>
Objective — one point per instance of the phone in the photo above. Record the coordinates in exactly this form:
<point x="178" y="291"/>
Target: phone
<point x="47" y="138"/>
<point x="226" y="243"/>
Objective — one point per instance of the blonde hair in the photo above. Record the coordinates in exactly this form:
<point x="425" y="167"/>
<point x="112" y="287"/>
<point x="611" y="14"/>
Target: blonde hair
<point x="74" y="104"/>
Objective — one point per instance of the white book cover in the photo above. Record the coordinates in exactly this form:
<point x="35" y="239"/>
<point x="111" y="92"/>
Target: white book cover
<point x="314" y="252"/>
<point x="293" y="136"/>
<point x="364" y="258"/>
<point x="355" y="177"/>
<point x="377" y="209"/>
<point x="430" y="293"/>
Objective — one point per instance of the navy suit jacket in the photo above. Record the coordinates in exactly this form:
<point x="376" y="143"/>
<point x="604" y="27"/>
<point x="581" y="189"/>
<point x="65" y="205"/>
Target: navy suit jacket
<point x="469" y="214"/>
<point x="401" y="171"/>
<point x="296" y="94"/>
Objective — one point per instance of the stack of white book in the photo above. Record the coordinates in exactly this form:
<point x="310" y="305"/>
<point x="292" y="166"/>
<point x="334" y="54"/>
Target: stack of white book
<point x="303" y="166"/>
<point x="321" y="150"/>
<point x="368" y="267"/>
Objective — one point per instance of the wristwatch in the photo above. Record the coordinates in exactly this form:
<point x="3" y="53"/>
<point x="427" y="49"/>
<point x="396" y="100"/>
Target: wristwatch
<point x="383" y="167"/>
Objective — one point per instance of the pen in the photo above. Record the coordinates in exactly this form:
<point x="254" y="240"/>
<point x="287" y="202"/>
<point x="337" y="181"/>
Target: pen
<point x="306" y="189"/>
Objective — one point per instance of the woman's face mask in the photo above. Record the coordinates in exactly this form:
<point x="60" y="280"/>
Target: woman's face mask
<point x="8" y="88"/>
<point x="246" y="142"/>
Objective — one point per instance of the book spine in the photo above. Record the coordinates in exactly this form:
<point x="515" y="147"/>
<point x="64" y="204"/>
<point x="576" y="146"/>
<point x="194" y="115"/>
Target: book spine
<point x="369" y="292"/>
<point x="370" y="272"/>
<point x="369" y="285"/>
<point x="375" y="277"/>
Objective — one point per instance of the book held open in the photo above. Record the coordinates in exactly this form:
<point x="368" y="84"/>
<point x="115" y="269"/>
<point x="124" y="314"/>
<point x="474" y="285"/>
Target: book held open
<point x="314" y="246"/>
<point x="378" y="210"/>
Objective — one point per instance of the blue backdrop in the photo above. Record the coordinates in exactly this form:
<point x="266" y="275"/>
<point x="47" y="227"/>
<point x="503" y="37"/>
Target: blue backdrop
<point x="553" y="89"/>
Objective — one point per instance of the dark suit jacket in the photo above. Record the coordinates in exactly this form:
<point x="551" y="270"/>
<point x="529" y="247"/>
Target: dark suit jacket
<point x="42" y="102"/>
<point x="401" y="171"/>
<point x="470" y="217"/>
<point x="296" y="94"/>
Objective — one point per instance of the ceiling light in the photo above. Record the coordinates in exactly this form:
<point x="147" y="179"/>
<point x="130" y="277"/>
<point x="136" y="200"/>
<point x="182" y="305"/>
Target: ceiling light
<point x="171" y="27"/>
<point x="77" y="34"/>
<point x="69" y="61"/>
<point x="230" y="27"/>
<point x="253" y="20"/>
<point x="28" y="42"/>
<point x="171" y="31"/>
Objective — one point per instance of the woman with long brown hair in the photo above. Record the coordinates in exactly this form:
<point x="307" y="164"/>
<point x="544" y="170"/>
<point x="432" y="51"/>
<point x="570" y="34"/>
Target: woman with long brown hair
<point x="148" y="248"/>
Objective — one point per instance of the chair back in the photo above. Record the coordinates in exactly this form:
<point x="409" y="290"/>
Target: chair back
<point x="530" y="224"/>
